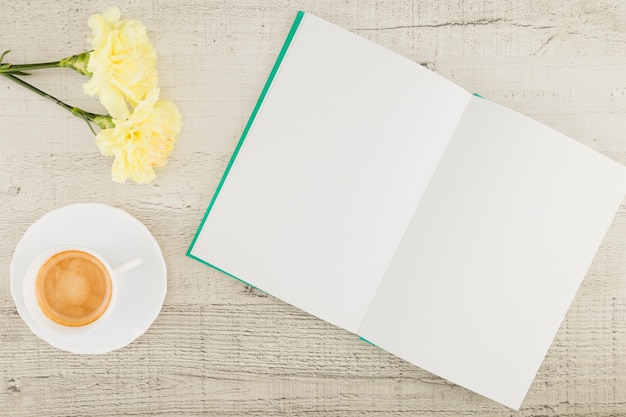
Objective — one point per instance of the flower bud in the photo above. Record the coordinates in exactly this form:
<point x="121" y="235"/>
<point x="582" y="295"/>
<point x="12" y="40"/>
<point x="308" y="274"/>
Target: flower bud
<point x="77" y="62"/>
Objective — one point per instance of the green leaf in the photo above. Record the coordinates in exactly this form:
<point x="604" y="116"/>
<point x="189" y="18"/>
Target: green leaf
<point x="3" y="55"/>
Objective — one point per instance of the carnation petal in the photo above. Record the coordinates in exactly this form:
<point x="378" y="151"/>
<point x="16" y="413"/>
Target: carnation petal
<point x="114" y="103"/>
<point x="111" y="16"/>
<point x="105" y="140"/>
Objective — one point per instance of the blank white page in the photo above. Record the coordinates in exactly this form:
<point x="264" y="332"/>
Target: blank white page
<point x="496" y="250"/>
<point x="330" y="172"/>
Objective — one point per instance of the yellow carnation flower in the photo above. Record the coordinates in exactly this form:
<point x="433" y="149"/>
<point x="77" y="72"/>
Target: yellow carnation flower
<point x="122" y="63"/>
<point x="143" y="141"/>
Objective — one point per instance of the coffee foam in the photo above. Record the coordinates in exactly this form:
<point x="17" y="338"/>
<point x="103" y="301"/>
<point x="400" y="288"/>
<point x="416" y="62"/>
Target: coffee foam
<point x="73" y="288"/>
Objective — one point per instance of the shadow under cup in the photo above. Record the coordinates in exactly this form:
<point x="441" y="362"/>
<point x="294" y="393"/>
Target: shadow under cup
<point x="69" y="290"/>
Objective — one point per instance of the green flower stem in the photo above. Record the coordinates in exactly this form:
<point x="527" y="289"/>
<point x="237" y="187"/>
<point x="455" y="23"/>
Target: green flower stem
<point x="76" y="62"/>
<point x="9" y="68"/>
<point x="102" y="121"/>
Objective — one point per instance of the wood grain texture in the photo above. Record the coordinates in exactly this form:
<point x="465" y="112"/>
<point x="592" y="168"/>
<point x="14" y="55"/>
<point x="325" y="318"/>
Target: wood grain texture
<point x="221" y="348"/>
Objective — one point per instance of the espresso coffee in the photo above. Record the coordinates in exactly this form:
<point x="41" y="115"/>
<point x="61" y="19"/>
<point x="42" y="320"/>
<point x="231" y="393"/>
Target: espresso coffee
<point x="73" y="288"/>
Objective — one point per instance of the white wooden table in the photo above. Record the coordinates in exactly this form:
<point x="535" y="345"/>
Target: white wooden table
<point x="221" y="348"/>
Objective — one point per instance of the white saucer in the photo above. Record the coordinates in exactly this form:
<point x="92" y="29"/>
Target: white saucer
<point x="116" y="235"/>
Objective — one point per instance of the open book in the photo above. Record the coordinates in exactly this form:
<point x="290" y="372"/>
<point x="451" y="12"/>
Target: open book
<point x="381" y="197"/>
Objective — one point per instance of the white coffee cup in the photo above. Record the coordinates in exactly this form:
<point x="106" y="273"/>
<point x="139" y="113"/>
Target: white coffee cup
<point x="30" y="289"/>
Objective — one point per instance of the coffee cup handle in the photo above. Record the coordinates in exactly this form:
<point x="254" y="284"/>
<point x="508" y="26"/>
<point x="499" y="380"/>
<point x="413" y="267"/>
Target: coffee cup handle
<point x="128" y="265"/>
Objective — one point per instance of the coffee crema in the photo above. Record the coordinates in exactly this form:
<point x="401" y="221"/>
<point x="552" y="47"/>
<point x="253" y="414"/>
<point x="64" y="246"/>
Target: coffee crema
<point x="73" y="288"/>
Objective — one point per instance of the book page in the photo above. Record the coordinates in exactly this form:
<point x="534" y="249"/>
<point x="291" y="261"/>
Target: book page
<point x="495" y="252"/>
<point x="330" y="172"/>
